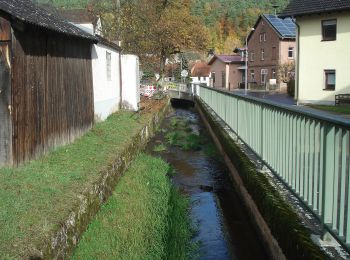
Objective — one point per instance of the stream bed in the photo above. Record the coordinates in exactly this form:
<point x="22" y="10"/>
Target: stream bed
<point x="223" y="229"/>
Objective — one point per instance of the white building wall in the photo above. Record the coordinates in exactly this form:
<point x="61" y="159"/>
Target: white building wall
<point x="106" y="92"/>
<point x="201" y="80"/>
<point x="131" y="82"/>
<point x="87" y="27"/>
<point x="316" y="55"/>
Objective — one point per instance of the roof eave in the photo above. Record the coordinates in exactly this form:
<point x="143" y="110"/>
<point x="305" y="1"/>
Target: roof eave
<point x="293" y="15"/>
<point x="108" y="43"/>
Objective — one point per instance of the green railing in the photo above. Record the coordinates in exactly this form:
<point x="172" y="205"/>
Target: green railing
<point x="309" y="152"/>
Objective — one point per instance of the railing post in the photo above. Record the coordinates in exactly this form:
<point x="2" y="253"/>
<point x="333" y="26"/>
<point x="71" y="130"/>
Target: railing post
<point x="328" y="173"/>
<point x="314" y="151"/>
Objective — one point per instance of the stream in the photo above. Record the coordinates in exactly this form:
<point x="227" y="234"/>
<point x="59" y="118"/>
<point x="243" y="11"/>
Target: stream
<point x="223" y="229"/>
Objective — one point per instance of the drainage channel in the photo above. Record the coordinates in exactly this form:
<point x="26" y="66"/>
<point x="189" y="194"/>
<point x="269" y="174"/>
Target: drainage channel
<point x="223" y="230"/>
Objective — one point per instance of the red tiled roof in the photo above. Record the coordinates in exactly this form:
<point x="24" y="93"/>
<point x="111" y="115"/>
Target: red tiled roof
<point x="200" y="69"/>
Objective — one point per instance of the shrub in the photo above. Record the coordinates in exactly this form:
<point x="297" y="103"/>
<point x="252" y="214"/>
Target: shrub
<point x="291" y="88"/>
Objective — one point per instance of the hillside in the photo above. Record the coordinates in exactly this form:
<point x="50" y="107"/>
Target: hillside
<point x="229" y="20"/>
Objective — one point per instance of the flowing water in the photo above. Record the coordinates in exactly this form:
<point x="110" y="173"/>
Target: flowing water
<point x="223" y="230"/>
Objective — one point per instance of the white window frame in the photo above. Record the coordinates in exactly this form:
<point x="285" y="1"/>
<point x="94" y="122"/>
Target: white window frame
<point x="265" y="73"/>
<point x="291" y="51"/>
<point x="262" y="54"/>
<point x="252" y="76"/>
<point x="251" y="56"/>
<point x="327" y="73"/>
<point x="273" y="74"/>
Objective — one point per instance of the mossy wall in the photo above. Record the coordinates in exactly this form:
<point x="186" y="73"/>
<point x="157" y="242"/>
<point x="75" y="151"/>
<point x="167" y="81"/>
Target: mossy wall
<point x="285" y="226"/>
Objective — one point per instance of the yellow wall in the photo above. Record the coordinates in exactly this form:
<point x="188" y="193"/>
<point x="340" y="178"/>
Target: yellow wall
<point x="315" y="56"/>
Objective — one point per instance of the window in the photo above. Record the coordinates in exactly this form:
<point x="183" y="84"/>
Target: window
<point x="264" y="37"/>
<point x="329" y="79"/>
<point x="264" y="73"/>
<point x="203" y="78"/>
<point x="273" y="73"/>
<point x="329" y="30"/>
<point x="223" y="79"/>
<point x="261" y="37"/>
<point x="252" y="76"/>
<point x="274" y="53"/>
<point x="262" y="54"/>
<point x="252" y="56"/>
<point x="109" y="65"/>
<point x="213" y="77"/>
<point x="290" y="53"/>
<point x="199" y="78"/>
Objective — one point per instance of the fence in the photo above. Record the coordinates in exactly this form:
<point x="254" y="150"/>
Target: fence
<point x="308" y="152"/>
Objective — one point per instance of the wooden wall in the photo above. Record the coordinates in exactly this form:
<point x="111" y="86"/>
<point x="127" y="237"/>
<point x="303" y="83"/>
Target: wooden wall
<point x="5" y="94"/>
<point x="52" y="91"/>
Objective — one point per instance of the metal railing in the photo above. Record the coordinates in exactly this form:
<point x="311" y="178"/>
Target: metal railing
<point x="308" y="151"/>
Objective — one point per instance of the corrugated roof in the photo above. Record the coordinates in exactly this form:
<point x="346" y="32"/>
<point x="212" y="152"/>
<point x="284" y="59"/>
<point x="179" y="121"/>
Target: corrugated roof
<point x="200" y="69"/>
<point x="29" y="12"/>
<point x="285" y="27"/>
<point x="227" y="59"/>
<point x="306" y="7"/>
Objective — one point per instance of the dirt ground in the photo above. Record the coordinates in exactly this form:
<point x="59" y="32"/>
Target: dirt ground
<point x="149" y="105"/>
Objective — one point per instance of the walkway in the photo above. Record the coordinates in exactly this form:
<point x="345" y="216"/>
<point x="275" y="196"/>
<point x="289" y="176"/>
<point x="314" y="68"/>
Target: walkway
<point x="283" y="98"/>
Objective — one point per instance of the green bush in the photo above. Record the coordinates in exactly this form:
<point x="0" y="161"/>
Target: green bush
<point x="291" y="88"/>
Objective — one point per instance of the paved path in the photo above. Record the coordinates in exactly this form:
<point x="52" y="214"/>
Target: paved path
<point x="284" y="99"/>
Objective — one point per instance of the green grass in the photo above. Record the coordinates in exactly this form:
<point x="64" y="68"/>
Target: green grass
<point x="145" y="218"/>
<point x="37" y="197"/>
<point x="192" y="142"/>
<point x="159" y="148"/>
<point x="182" y="135"/>
<point x="335" y="109"/>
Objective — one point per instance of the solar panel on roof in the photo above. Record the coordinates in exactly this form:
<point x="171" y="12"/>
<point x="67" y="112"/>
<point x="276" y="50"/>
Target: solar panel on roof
<point x="285" y="27"/>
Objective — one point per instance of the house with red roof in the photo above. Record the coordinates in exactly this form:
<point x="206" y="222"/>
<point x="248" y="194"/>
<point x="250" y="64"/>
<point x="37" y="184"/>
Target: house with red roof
<point x="227" y="71"/>
<point x="200" y="73"/>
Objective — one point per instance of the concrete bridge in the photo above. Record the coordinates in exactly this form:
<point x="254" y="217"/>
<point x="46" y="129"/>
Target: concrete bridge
<point x="180" y="91"/>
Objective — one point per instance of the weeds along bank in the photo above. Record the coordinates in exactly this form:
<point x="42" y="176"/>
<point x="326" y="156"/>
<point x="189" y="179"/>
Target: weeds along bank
<point x="145" y="218"/>
<point x="47" y="203"/>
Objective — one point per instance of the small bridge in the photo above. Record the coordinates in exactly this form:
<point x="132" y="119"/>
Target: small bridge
<point x="180" y="91"/>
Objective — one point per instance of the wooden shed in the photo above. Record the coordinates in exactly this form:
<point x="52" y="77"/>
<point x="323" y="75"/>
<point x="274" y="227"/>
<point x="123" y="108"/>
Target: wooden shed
<point x="46" y="91"/>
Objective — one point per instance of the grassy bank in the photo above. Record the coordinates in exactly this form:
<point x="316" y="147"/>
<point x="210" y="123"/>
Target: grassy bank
<point x="37" y="197"/>
<point x="146" y="218"/>
<point x="345" y="110"/>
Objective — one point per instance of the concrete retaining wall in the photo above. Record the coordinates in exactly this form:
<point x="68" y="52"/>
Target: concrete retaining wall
<point x="270" y="243"/>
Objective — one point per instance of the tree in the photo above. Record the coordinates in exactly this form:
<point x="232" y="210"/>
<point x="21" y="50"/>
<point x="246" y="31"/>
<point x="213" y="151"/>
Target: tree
<point x="155" y="29"/>
<point x="286" y="72"/>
